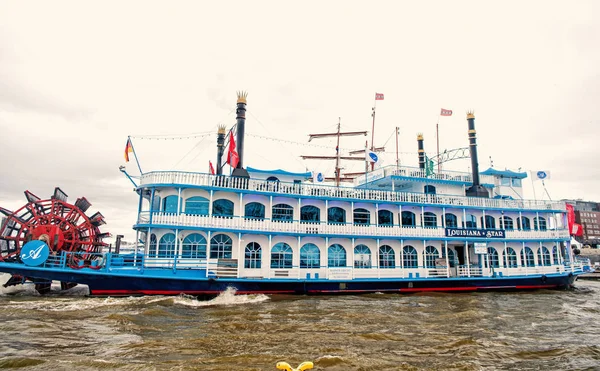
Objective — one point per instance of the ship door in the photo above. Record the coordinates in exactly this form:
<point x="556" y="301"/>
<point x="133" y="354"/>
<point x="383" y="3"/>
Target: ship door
<point x="460" y="254"/>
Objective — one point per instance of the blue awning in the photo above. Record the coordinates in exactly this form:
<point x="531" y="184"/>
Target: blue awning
<point x="280" y="172"/>
<point x="504" y="173"/>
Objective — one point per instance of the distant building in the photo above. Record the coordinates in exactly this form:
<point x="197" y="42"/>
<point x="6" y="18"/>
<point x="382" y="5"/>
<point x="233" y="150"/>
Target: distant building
<point x="587" y="214"/>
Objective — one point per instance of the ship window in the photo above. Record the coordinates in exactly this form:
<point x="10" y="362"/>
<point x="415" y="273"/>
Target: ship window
<point x="510" y="258"/>
<point x="336" y="215"/>
<point x="283" y="213"/>
<point x="523" y="223"/>
<point x="451" y="221"/>
<point x="408" y="219"/>
<point x="387" y="257"/>
<point x="429" y="220"/>
<point x="507" y="223"/>
<point x="220" y="247"/>
<point x="156" y="203"/>
<point x="488" y="222"/>
<point x="254" y="210"/>
<point x="516" y="183"/>
<point x="505" y="181"/>
<point x="281" y="256"/>
<point x="429" y="189"/>
<point x="252" y="255"/>
<point x="410" y="257"/>
<point x="544" y="256"/>
<point x="170" y="204"/>
<point x="527" y="257"/>
<point x="166" y="246"/>
<point x="539" y="223"/>
<point x="336" y="256"/>
<point x="470" y="222"/>
<point x="362" y="217"/>
<point x="493" y="257"/>
<point x="310" y="214"/>
<point x="310" y="256"/>
<point x="152" y="248"/>
<point x="555" y="255"/>
<point x="196" y="206"/>
<point x="194" y="246"/>
<point x="362" y="257"/>
<point x="385" y="218"/>
<point x="223" y="208"/>
<point x="451" y="257"/>
<point x="431" y="253"/>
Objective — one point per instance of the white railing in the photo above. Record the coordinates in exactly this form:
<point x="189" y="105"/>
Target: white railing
<point x="413" y="172"/>
<point x="296" y="227"/>
<point x="173" y="178"/>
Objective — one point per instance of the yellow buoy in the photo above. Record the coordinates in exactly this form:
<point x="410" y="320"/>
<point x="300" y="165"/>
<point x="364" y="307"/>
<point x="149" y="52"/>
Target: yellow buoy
<point x="286" y="366"/>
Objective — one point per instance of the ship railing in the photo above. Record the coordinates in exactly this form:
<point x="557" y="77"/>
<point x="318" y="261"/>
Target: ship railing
<point x="179" y="178"/>
<point x="469" y="271"/>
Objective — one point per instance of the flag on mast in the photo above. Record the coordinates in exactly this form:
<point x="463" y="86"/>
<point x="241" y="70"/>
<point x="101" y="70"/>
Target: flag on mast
<point x="232" y="156"/>
<point x="128" y="149"/>
<point x="211" y="168"/>
<point x="371" y="156"/>
<point x="446" y="112"/>
<point x="378" y="96"/>
<point x="540" y="175"/>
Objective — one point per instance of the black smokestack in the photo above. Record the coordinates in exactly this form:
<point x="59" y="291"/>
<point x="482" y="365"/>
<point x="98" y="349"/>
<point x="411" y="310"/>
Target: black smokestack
<point x="421" y="151"/>
<point x="220" y="148"/>
<point x="239" y="171"/>
<point x="476" y="190"/>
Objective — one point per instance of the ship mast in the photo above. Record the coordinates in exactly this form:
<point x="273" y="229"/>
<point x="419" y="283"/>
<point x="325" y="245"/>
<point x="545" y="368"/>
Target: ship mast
<point x="337" y="156"/>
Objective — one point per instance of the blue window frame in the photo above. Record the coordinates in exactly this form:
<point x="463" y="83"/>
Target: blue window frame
<point x="252" y="256"/>
<point x="539" y="223"/>
<point x="362" y="256"/>
<point x="170" y="204"/>
<point x="489" y="222"/>
<point x="223" y="208"/>
<point x="527" y="257"/>
<point x="152" y="248"/>
<point x="516" y="182"/>
<point x="544" y="257"/>
<point x="523" y="223"/>
<point x="510" y="258"/>
<point x="493" y="257"/>
<point x="408" y="219"/>
<point x="310" y="214"/>
<point x="429" y="189"/>
<point x="410" y="259"/>
<point x="282" y="213"/>
<point x="156" y="203"/>
<point x="310" y="256"/>
<point x="385" y="218"/>
<point x="470" y="222"/>
<point x="196" y="206"/>
<point x="336" y="215"/>
<point x="555" y="255"/>
<point x="451" y="221"/>
<point x="166" y="246"/>
<point x="429" y="220"/>
<point x="254" y="210"/>
<point x="507" y="223"/>
<point x="431" y="253"/>
<point x="387" y="258"/>
<point x="220" y="247"/>
<point x="194" y="246"/>
<point x="281" y="256"/>
<point x="362" y="217"/>
<point x="505" y="182"/>
<point x="336" y="256"/>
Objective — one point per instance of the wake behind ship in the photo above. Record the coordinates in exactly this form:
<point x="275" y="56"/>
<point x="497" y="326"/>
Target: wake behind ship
<point x="395" y="229"/>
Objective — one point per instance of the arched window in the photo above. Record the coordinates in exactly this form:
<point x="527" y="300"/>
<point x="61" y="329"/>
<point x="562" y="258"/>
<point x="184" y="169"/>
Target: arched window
<point x="429" y="220"/>
<point x="252" y="255"/>
<point x="410" y="257"/>
<point x="222" y="208"/>
<point x="281" y="256"/>
<point x="527" y="257"/>
<point x="385" y="218"/>
<point x="539" y="223"/>
<point x="493" y="256"/>
<point x="431" y="253"/>
<point x="254" y="210"/>
<point x="362" y="217"/>
<point x="283" y="213"/>
<point x="152" y="248"/>
<point x="408" y="219"/>
<point x="387" y="258"/>
<point x="310" y="256"/>
<point x="507" y="223"/>
<point x="272" y="179"/>
<point x="429" y="189"/>
<point x="170" y="204"/>
<point x="510" y="258"/>
<point x="555" y="256"/>
<point x="544" y="256"/>
<point x="523" y="223"/>
<point x="220" y="247"/>
<point x="470" y="222"/>
<point x="273" y="183"/>
<point x="194" y="246"/>
<point x="336" y="215"/>
<point x="310" y="214"/>
<point x="489" y="222"/>
<point x="362" y="256"/>
<point x="451" y="221"/>
<point x="166" y="246"/>
<point x="336" y="256"/>
<point x="196" y="206"/>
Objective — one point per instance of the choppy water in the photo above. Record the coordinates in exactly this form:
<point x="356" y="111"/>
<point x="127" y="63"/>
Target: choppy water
<point x="543" y="330"/>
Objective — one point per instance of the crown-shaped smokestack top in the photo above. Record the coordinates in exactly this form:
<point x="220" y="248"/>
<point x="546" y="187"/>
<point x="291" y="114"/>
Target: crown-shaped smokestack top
<point x="470" y="114"/>
<point x="242" y="95"/>
<point x="221" y="129"/>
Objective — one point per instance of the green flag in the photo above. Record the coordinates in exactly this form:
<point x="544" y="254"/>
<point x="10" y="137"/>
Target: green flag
<point x="428" y="166"/>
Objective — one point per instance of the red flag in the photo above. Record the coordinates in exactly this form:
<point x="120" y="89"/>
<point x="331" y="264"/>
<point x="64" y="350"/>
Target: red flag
<point x="577" y="230"/>
<point x="570" y="217"/>
<point x="378" y="96"/>
<point x="232" y="156"/>
<point x="128" y="149"/>
<point x="211" y="168"/>
<point x="446" y="112"/>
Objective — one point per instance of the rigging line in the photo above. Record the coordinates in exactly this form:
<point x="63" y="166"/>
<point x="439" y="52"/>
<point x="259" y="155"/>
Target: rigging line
<point x="296" y="143"/>
<point x="190" y="151"/>
<point x="175" y="136"/>
<point x="386" y="142"/>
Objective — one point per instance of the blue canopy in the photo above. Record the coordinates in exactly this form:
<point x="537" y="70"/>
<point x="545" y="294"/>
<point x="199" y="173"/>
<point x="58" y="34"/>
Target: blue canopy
<point x="504" y="173"/>
<point x="279" y="172"/>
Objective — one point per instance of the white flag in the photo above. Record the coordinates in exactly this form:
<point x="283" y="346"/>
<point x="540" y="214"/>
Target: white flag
<point x="540" y="175"/>
<point x="318" y="177"/>
<point x="371" y="156"/>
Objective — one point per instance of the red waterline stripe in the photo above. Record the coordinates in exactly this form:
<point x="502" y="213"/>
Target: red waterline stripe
<point x="439" y="289"/>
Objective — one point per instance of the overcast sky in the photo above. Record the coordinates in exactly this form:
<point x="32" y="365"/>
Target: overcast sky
<point x="78" y="77"/>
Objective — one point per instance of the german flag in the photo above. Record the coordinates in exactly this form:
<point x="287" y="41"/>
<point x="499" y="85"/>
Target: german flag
<point x="128" y="149"/>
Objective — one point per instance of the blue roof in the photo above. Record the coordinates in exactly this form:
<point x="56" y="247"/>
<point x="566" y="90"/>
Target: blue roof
<point x="505" y="173"/>
<point x="279" y="172"/>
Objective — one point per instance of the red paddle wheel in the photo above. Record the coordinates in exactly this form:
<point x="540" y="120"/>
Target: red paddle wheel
<point x="61" y="225"/>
